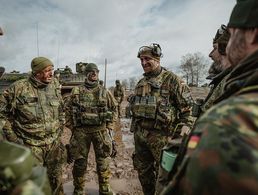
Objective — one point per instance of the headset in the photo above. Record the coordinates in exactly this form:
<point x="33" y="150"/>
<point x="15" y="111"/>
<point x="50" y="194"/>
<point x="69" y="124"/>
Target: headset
<point x="155" y="50"/>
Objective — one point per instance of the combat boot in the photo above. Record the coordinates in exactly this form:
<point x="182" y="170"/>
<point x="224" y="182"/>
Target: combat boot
<point x="78" y="192"/>
<point x="105" y="189"/>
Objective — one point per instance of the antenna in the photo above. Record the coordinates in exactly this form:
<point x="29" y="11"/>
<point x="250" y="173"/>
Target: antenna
<point x="38" y="38"/>
<point x="58" y="51"/>
<point x="105" y="78"/>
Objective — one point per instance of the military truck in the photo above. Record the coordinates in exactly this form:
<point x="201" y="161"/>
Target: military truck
<point x="69" y="80"/>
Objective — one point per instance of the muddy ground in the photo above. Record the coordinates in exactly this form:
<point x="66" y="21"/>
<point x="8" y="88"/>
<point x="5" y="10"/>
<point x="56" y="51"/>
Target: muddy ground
<point x="124" y="180"/>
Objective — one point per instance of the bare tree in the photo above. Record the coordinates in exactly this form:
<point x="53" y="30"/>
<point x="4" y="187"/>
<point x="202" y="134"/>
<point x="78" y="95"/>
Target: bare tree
<point x="125" y="84"/>
<point x="132" y="82"/>
<point x="194" y="68"/>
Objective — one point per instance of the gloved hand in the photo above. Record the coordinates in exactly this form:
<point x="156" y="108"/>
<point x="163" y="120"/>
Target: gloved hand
<point x="114" y="150"/>
<point x="185" y="130"/>
<point x="70" y="158"/>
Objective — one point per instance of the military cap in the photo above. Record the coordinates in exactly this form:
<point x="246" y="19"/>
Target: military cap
<point x="40" y="63"/>
<point x="90" y="67"/>
<point x="244" y="14"/>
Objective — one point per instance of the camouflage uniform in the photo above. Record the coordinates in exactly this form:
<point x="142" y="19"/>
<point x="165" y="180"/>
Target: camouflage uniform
<point x="221" y="155"/>
<point x="119" y="96"/>
<point x="34" y="116"/>
<point x="93" y="113"/>
<point x="217" y="86"/>
<point x="159" y="109"/>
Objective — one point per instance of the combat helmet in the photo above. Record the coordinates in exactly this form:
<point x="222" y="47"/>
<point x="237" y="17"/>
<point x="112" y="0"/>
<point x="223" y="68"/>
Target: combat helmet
<point x="90" y="67"/>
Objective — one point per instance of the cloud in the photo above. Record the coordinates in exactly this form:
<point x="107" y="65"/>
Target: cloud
<point x="72" y="31"/>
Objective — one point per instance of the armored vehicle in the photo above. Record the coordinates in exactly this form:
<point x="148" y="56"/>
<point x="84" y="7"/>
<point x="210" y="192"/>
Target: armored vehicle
<point x="68" y="79"/>
<point x="8" y="78"/>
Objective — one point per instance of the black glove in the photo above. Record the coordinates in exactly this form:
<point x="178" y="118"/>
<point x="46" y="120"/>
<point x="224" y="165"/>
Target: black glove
<point x="70" y="158"/>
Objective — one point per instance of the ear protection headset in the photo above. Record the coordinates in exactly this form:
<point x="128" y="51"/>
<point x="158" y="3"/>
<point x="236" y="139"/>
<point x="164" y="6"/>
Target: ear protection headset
<point x="155" y="50"/>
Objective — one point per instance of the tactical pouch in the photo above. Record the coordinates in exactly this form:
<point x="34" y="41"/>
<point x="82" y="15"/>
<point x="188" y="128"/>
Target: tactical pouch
<point x="90" y="119"/>
<point x="138" y="109"/>
<point x="145" y="107"/>
<point x="150" y="109"/>
<point x="196" y="110"/>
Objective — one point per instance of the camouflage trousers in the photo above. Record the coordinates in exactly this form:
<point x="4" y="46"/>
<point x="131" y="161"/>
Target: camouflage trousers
<point x="118" y="99"/>
<point x="52" y="157"/>
<point x="80" y="146"/>
<point x="146" y="158"/>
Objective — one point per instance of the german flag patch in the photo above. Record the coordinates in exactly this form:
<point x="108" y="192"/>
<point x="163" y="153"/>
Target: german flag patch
<point x="193" y="142"/>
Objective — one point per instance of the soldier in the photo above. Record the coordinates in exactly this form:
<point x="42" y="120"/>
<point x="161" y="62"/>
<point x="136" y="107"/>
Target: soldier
<point x="24" y="177"/>
<point x="101" y="82"/>
<point x="57" y="80"/>
<point x="68" y="70"/>
<point x="219" y="80"/>
<point x="93" y="114"/>
<point x="218" y="74"/>
<point x="159" y="110"/>
<point x="119" y="96"/>
<point x="221" y="153"/>
<point x="32" y="110"/>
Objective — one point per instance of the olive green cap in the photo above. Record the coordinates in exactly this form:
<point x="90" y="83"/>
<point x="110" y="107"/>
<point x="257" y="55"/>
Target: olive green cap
<point x="244" y="14"/>
<point x="40" y="63"/>
<point x="90" y="67"/>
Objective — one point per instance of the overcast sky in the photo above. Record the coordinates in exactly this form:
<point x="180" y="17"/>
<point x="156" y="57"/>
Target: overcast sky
<point x="70" y="31"/>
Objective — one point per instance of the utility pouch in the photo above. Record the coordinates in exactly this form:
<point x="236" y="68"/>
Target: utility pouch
<point x="151" y="106"/>
<point x="90" y="119"/>
<point x="196" y="109"/>
<point x="145" y="107"/>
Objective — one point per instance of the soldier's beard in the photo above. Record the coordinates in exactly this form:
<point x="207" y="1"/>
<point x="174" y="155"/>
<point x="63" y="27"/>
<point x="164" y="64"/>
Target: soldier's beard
<point x="90" y="83"/>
